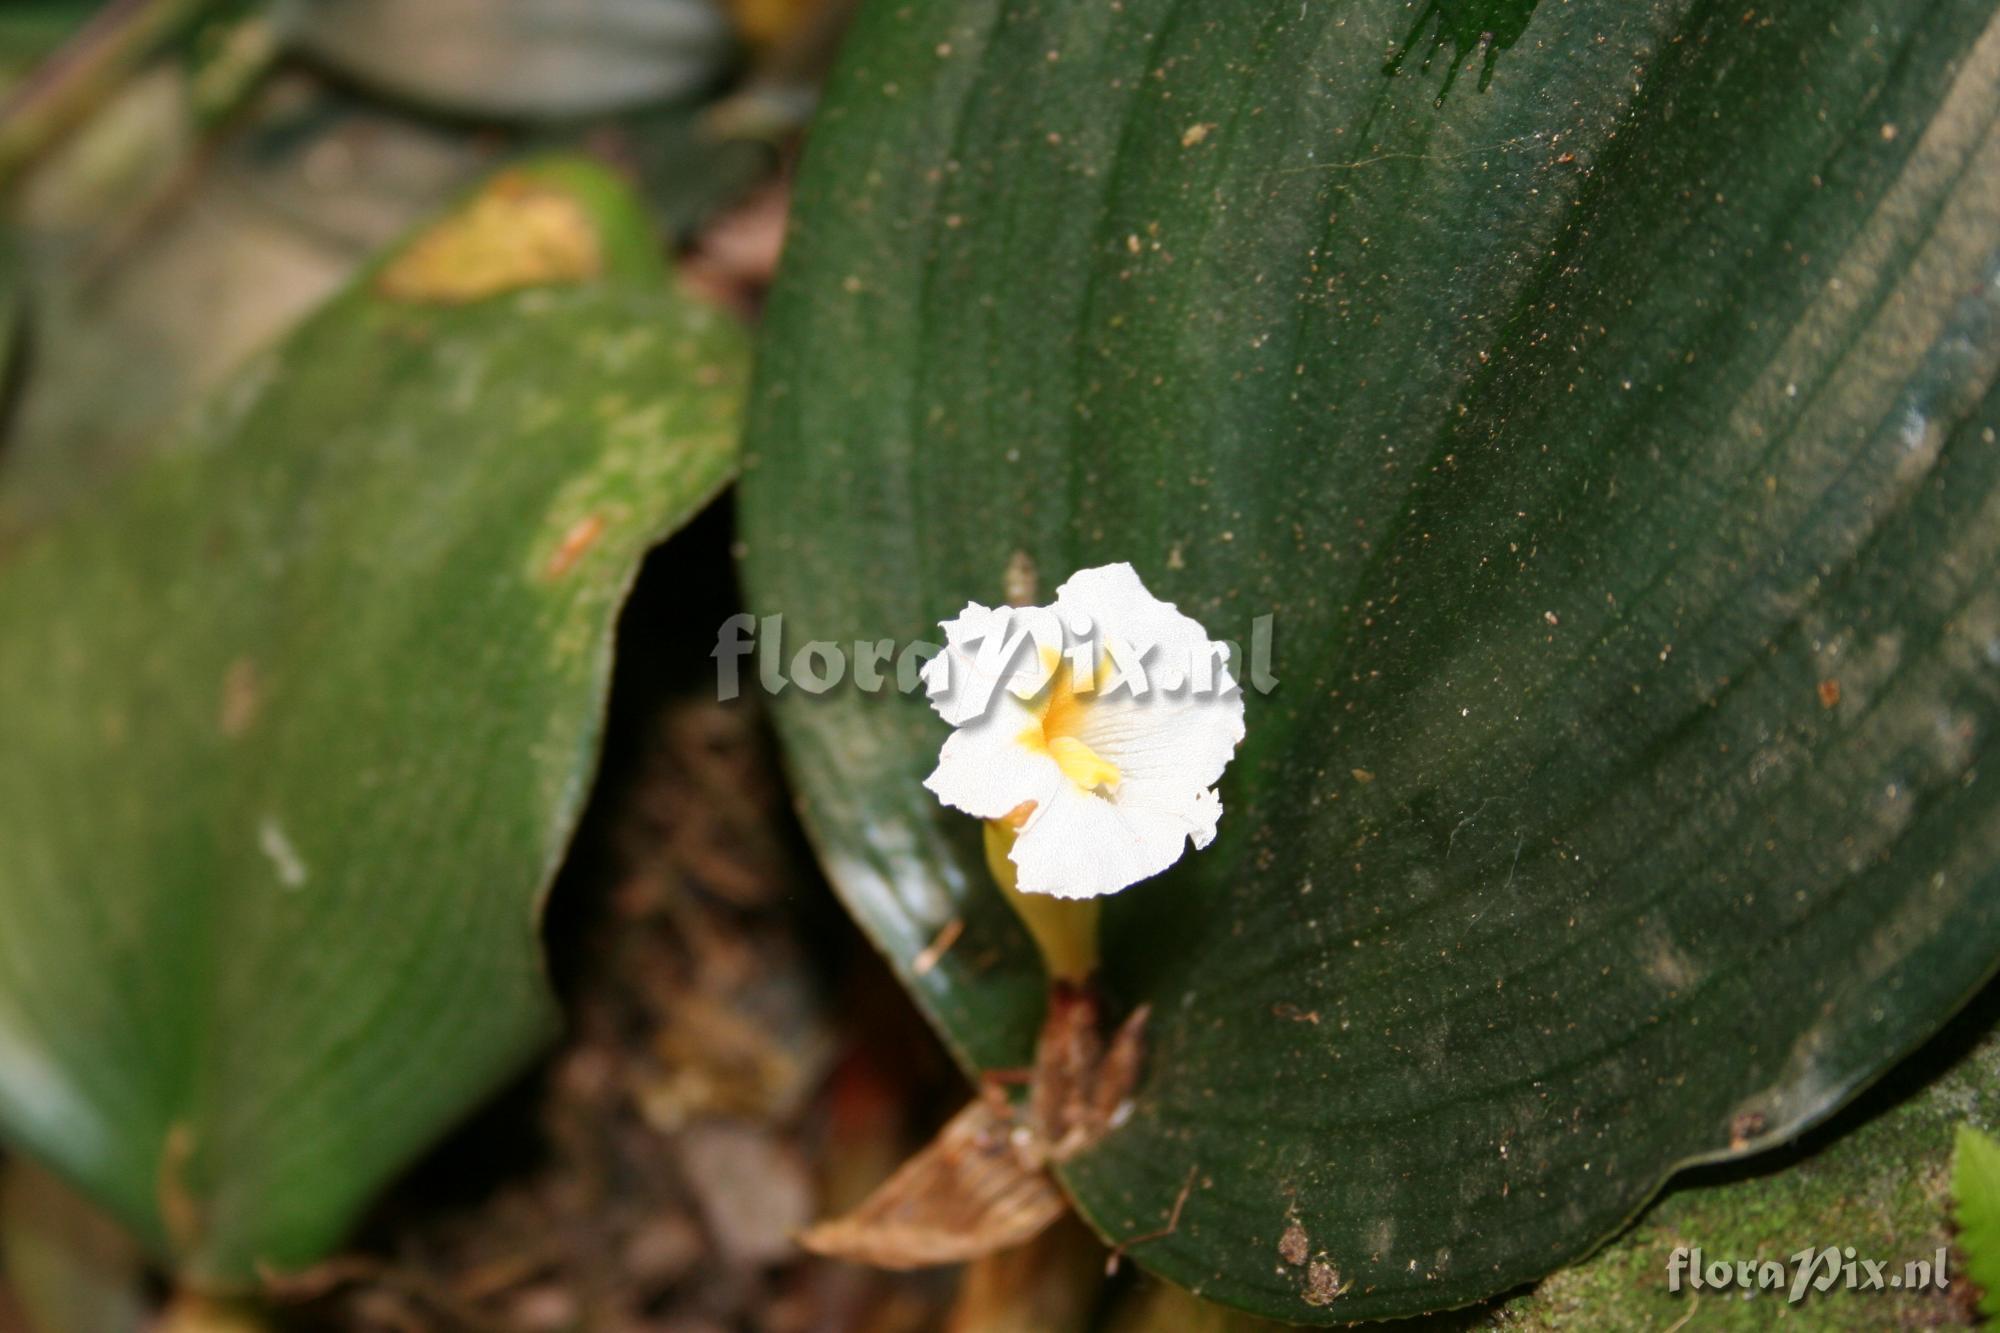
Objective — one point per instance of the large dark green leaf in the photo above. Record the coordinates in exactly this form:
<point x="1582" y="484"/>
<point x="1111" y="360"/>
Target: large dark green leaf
<point x="294" y="724"/>
<point x="1874" y="1178"/>
<point x="1600" y="398"/>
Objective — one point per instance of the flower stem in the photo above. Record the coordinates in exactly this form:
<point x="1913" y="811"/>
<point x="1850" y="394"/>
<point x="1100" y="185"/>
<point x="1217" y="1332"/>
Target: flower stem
<point x="1065" y="929"/>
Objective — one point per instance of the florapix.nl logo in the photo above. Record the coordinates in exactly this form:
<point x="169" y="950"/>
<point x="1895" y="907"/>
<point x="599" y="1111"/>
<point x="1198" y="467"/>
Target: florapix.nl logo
<point x="1021" y="648"/>
<point x="1812" y="1269"/>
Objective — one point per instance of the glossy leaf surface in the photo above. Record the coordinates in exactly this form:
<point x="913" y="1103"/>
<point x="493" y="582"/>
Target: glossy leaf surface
<point x="1600" y="400"/>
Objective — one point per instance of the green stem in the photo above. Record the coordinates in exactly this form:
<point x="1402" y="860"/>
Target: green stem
<point x="80" y="75"/>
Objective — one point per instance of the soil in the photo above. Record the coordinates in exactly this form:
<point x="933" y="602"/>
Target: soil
<point x="738" y="1061"/>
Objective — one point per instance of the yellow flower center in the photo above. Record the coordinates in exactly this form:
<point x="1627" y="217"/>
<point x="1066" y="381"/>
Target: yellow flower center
<point x="1059" y="713"/>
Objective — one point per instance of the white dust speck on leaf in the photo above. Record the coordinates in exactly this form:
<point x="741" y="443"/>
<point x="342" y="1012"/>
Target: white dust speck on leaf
<point x="284" y="857"/>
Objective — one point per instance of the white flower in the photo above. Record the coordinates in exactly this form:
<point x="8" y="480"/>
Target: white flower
<point x="1097" y="727"/>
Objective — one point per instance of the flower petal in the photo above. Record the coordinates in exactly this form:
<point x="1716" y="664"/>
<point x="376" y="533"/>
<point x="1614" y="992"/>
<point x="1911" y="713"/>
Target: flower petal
<point x="1111" y="602"/>
<point x="989" y="651"/>
<point x="1165" y="739"/>
<point x="1171" y="744"/>
<point x="984" y="769"/>
<point x="1077" y="845"/>
<point x="1121" y="771"/>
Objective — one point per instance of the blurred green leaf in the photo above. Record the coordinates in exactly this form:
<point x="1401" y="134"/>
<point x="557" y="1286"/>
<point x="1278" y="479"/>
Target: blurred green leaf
<point x="163" y="264"/>
<point x="1975" y="1191"/>
<point x="1600" y="398"/>
<point x="296" y="721"/>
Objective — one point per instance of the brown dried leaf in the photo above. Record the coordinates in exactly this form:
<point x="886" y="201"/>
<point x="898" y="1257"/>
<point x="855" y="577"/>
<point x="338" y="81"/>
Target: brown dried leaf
<point x="964" y="1196"/>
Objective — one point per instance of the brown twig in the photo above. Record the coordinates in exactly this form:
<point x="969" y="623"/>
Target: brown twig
<point x="1173" y="1225"/>
<point x="938" y="947"/>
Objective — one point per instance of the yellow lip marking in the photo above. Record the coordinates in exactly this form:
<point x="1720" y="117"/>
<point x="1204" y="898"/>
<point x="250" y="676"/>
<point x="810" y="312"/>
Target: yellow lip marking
<point x="1059" y="718"/>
